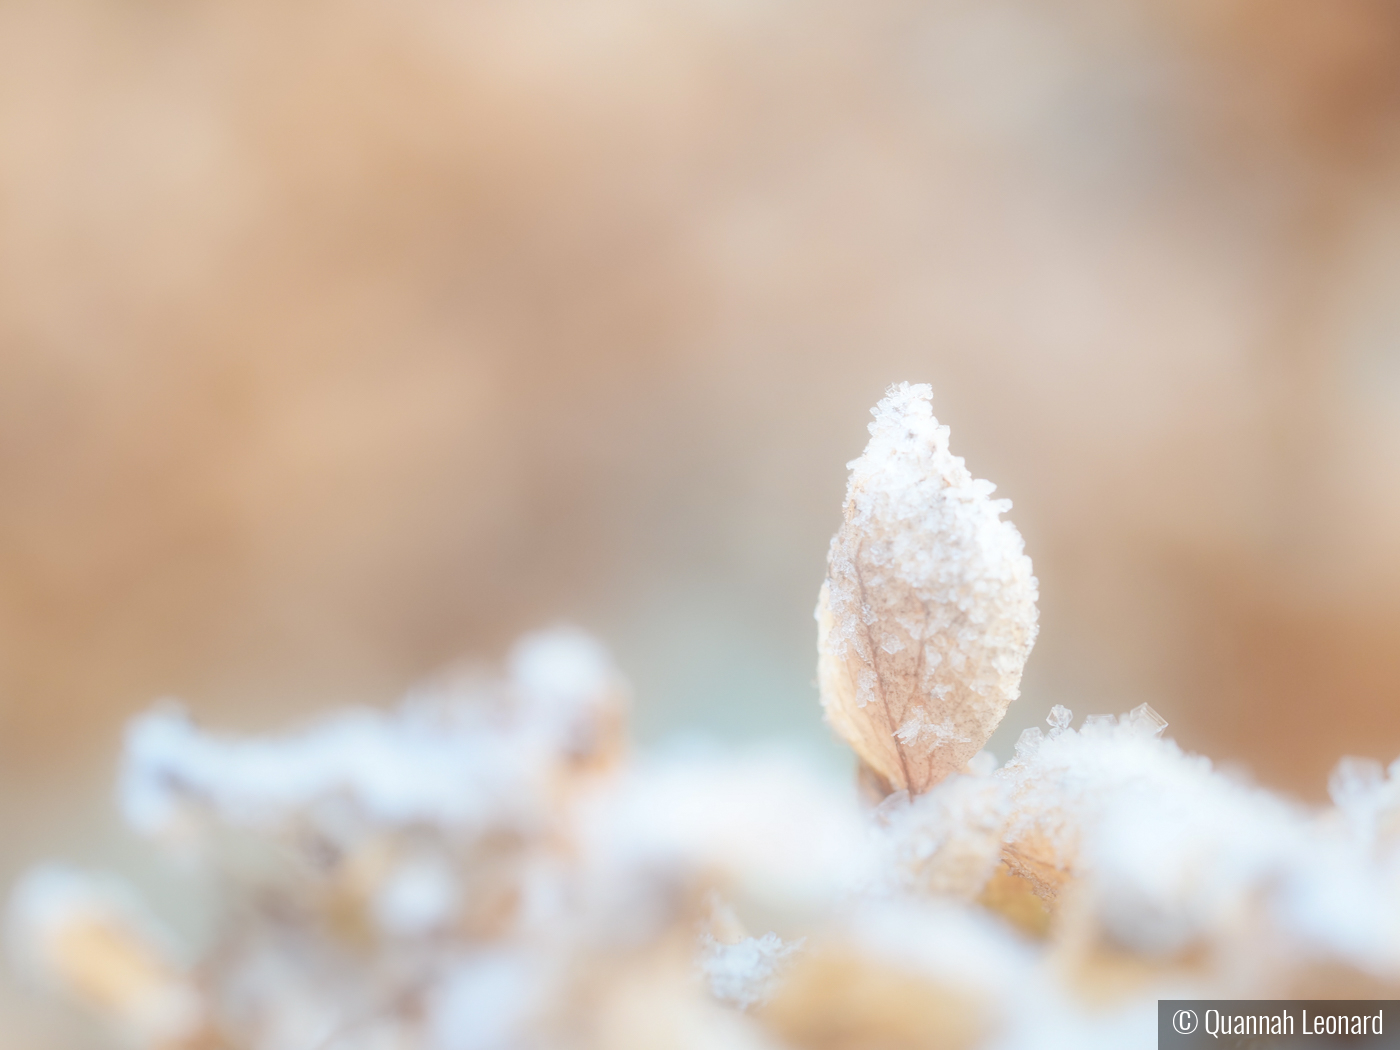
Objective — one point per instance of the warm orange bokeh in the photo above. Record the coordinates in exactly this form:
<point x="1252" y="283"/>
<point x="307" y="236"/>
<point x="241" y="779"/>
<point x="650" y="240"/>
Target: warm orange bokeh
<point x="337" y="340"/>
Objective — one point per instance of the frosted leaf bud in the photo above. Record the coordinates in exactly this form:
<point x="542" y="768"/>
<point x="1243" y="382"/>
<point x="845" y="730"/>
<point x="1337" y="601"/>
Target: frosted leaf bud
<point x="928" y="611"/>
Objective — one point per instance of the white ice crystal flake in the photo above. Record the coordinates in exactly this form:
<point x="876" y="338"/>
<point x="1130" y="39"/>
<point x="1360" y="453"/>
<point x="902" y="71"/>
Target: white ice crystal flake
<point x="929" y="601"/>
<point x="919" y="729"/>
<point x="1145" y="719"/>
<point x="745" y="973"/>
<point x="866" y="680"/>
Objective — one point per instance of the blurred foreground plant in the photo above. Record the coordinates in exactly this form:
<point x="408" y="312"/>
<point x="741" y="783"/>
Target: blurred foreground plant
<point x="482" y="870"/>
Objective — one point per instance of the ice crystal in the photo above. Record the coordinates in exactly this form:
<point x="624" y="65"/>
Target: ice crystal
<point x="920" y="730"/>
<point x="746" y="972"/>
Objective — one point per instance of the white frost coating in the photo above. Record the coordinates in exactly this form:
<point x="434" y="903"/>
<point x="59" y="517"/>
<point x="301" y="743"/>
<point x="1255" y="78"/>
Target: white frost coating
<point x="485" y="1002"/>
<point x="1173" y="855"/>
<point x="567" y="686"/>
<point x="947" y="840"/>
<point x="419" y="895"/>
<point x="765" y="822"/>
<point x="1065" y="782"/>
<point x="1169" y="860"/>
<point x="928" y="611"/>
<point x="451" y="756"/>
<point x="919" y="730"/>
<point x="394" y="767"/>
<point x="745" y="974"/>
<point x="946" y="943"/>
<point x="561" y="668"/>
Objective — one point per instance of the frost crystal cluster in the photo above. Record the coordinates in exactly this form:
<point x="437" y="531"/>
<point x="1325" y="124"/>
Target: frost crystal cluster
<point x="483" y="869"/>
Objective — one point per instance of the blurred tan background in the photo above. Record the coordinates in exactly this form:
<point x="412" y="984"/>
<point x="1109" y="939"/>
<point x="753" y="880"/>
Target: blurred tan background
<point x="339" y="339"/>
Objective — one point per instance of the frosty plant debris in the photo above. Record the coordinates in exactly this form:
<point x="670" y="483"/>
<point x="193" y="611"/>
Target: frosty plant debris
<point x="483" y="868"/>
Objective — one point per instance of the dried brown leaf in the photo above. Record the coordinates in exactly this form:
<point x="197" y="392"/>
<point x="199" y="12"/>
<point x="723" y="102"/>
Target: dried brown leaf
<point x="928" y="611"/>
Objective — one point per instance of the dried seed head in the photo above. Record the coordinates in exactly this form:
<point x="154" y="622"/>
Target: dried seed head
<point x="928" y="611"/>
